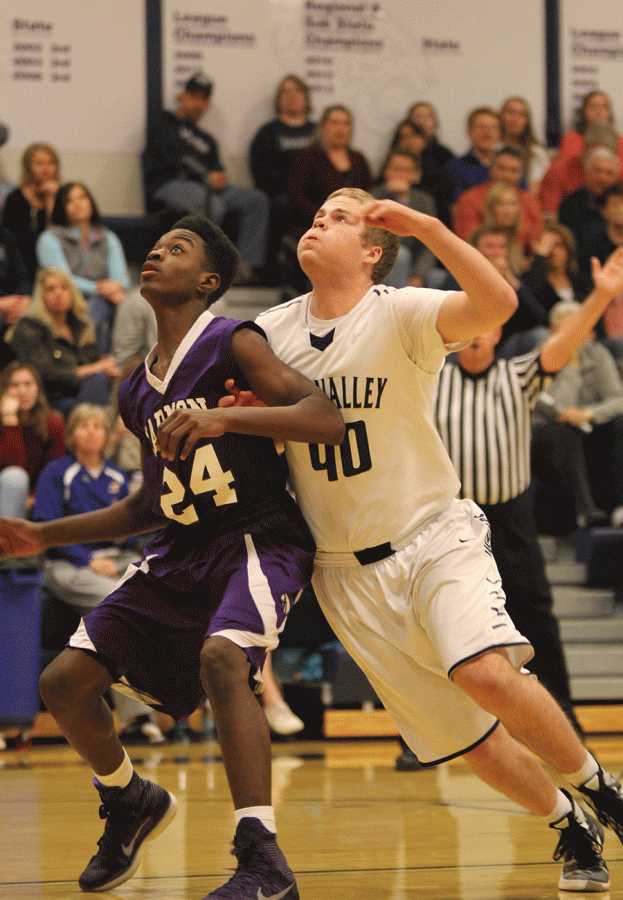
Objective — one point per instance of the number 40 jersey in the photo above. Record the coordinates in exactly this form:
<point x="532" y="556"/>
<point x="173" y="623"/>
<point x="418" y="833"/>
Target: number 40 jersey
<point x="379" y="364"/>
<point x="226" y="482"/>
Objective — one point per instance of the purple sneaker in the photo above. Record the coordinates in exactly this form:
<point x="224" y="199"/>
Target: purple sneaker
<point x="135" y="814"/>
<point x="262" y="873"/>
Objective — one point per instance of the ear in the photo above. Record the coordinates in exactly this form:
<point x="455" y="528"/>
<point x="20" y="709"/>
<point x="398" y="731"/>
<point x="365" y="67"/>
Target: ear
<point x="210" y="281"/>
<point x="372" y="255"/>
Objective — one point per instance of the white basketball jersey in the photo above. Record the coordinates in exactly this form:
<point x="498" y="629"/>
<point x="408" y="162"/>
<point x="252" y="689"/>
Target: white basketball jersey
<point x="379" y="363"/>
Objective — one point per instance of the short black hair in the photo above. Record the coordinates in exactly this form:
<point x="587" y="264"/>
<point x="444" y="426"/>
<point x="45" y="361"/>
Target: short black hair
<point x="198" y="83"/>
<point x="220" y="253"/>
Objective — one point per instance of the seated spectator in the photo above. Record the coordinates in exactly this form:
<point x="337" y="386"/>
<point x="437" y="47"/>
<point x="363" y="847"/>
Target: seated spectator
<point x="135" y="331"/>
<point x="502" y="209"/>
<point x="604" y="241"/>
<point x="596" y="108"/>
<point x="5" y="186"/>
<point x="31" y="436"/>
<point x="401" y="174"/>
<point x="56" y="335"/>
<point x="413" y="136"/>
<point x="78" y="243"/>
<point x="507" y="167"/>
<point x="434" y="155"/>
<point x="273" y="150"/>
<point x="409" y="136"/>
<point x="601" y="243"/>
<point x="27" y="210"/>
<point x="527" y="327"/>
<point x="554" y="274"/>
<point x="14" y="289"/>
<point x="327" y="165"/>
<point x="472" y="169"/>
<point x="578" y="431"/>
<point x="582" y="210"/>
<point x="183" y="172"/>
<point x="516" y="130"/>
<point x="568" y="173"/>
<point x="82" y="575"/>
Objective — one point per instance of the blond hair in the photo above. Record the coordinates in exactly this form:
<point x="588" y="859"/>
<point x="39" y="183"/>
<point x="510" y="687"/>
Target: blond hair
<point x="374" y="237"/>
<point x="493" y="196"/>
<point x="81" y="412"/>
<point x="27" y="157"/>
<point x="37" y="309"/>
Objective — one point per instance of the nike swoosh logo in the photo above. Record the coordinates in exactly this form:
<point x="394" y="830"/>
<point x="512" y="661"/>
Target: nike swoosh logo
<point x="261" y="895"/>
<point x="130" y="847"/>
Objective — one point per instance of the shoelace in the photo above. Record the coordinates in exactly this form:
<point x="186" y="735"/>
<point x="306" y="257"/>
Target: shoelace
<point x="578" y="842"/>
<point x="611" y="799"/>
<point x="112" y="838"/>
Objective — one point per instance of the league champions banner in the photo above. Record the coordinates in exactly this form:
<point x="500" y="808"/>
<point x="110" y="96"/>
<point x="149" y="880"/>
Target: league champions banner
<point x="376" y="57"/>
<point x="591" y="53"/>
<point x="73" y="74"/>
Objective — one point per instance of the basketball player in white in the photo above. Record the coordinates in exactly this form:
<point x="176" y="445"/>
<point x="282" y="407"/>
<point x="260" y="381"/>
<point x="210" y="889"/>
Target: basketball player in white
<point x="404" y="571"/>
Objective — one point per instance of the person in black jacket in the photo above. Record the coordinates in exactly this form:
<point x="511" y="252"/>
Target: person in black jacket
<point x="183" y="172"/>
<point x="55" y="334"/>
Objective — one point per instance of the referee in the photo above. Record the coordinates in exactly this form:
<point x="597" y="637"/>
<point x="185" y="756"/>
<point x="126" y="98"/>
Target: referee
<point x="482" y="413"/>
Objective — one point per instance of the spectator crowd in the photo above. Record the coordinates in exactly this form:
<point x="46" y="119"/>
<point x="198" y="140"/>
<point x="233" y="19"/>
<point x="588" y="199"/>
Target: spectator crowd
<point x="72" y="323"/>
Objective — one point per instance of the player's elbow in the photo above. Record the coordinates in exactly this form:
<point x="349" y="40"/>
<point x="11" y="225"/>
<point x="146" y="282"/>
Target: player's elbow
<point x="508" y="303"/>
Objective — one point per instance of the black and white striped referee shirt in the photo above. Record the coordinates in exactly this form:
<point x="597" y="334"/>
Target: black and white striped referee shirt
<point x="484" y="422"/>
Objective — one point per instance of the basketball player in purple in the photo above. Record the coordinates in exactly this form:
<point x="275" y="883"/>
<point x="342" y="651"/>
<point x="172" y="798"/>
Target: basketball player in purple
<point x="215" y="584"/>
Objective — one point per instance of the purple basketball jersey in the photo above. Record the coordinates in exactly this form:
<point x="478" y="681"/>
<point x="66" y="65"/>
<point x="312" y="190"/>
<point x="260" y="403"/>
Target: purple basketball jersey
<point x="226" y="482"/>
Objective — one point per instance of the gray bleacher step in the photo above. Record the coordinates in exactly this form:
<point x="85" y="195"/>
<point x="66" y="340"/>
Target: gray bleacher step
<point x="557" y="549"/>
<point x="577" y="602"/>
<point x="245" y="302"/>
<point x="565" y="572"/>
<point x="574" y="631"/>
<point x="598" y="689"/>
<point x="594" y="660"/>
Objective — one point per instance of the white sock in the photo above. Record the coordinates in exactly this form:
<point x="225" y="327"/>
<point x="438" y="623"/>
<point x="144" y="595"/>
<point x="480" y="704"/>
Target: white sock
<point x="266" y="815"/>
<point x="584" y="774"/>
<point x="121" y="777"/>
<point x="562" y="809"/>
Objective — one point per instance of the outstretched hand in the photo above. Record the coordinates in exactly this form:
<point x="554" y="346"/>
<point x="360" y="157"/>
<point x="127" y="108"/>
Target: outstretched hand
<point x="609" y="277"/>
<point x="18" y="537"/>
<point x="238" y="397"/>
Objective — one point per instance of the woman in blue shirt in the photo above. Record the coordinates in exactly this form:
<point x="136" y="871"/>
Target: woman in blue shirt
<point x="77" y="242"/>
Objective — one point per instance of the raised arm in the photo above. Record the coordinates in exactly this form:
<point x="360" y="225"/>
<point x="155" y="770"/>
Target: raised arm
<point x="296" y="409"/>
<point x="486" y="299"/>
<point x="608" y="280"/>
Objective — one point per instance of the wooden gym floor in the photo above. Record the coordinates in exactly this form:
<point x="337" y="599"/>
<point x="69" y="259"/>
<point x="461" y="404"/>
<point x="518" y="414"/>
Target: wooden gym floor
<point x="351" y="826"/>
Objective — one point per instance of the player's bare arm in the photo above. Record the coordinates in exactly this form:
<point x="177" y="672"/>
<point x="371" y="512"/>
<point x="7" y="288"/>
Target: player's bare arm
<point x="608" y="280"/>
<point x="486" y="301"/>
<point x="296" y="410"/>
<point x="132" y="515"/>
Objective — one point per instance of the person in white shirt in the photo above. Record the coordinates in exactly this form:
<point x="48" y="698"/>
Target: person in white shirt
<point x="404" y="571"/>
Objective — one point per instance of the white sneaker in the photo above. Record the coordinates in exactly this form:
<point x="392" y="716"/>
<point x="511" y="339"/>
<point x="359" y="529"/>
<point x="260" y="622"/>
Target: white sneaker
<point x="282" y="720"/>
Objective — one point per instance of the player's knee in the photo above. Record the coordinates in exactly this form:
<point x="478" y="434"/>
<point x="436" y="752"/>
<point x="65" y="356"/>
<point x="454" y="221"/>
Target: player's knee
<point x="485" y="678"/>
<point x="223" y="664"/>
<point x="71" y="677"/>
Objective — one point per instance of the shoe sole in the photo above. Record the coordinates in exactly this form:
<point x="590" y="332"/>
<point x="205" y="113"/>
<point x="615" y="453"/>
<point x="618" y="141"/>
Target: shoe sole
<point x="586" y="887"/>
<point x="164" y="822"/>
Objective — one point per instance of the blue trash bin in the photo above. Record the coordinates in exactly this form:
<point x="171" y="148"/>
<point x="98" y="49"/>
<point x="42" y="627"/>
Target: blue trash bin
<point x="20" y="646"/>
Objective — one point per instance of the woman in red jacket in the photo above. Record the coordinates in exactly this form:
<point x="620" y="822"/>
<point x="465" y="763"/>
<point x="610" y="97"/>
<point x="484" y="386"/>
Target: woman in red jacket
<point x="31" y="436"/>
